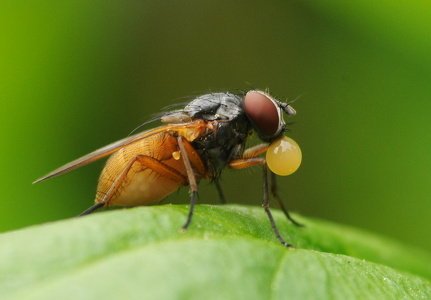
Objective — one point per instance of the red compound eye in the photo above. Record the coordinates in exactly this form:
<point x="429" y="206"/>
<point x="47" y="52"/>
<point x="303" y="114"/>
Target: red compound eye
<point x="263" y="112"/>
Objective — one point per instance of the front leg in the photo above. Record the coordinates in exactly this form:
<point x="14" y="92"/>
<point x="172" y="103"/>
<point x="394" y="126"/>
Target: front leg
<point x="250" y="155"/>
<point x="249" y="161"/>
<point x="274" y="192"/>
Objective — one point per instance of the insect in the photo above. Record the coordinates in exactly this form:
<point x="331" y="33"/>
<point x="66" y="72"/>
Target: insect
<point x="197" y="142"/>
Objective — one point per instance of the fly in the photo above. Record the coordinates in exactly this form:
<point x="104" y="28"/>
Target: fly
<point x="197" y="142"/>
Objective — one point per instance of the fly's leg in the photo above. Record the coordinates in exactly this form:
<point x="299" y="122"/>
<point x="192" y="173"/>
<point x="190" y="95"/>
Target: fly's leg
<point x="266" y="206"/>
<point x="255" y="151"/>
<point x="274" y="192"/>
<point x="252" y="152"/>
<point x="147" y="161"/>
<point x="220" y="192"/>
<point x="252" y="161"/>
<point x="190" y="175"/>
<point x="91" y="209"/>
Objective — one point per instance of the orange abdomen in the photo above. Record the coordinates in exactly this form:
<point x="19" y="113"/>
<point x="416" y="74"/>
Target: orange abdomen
<point x="141" y="184"/>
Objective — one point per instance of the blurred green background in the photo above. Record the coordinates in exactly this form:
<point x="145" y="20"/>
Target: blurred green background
<point x="76" y="75"/>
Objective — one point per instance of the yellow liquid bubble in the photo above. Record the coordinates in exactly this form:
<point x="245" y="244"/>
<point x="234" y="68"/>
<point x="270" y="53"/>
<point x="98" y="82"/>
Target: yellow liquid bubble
<point x="283" y="156"/>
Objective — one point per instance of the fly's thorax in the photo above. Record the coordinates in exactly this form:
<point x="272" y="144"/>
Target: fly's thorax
<point x="215" y="106"/>
<point x="224" y="143"/>
<point x="217" y="127"/>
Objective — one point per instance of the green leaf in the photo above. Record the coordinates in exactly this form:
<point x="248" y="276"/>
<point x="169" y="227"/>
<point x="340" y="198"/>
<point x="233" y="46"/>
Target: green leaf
<point x="229" y="252"/>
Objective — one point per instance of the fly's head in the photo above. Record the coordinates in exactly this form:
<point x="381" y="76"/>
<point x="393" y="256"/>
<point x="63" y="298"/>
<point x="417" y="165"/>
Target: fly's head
<point x="266" y="114"/>
<point x="283" y="156"/>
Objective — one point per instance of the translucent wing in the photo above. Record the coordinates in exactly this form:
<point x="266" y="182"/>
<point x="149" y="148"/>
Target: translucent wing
<point x="111" y="148"/>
